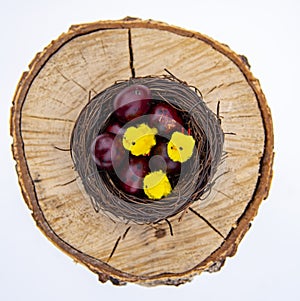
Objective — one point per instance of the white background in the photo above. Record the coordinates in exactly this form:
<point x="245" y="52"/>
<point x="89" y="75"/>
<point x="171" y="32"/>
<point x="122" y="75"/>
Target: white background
<point x="266" y="266"/>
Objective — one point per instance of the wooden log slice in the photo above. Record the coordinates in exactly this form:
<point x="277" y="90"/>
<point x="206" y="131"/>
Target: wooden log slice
<point x="85" y="61"/>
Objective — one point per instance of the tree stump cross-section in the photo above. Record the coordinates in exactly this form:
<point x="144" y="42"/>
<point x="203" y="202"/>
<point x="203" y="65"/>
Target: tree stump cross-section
<point x="85" y="61"/>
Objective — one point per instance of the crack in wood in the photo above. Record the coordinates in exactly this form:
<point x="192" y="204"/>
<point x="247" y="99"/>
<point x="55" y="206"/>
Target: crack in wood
<point x="67" y="183"/>
<point x="243" y="116"/>
<point x="48" y="118"/>
<point x="170" y="227"/>
<point x="89" y="96"/>
<point x="131" y="58"/>
<point x="207" y="222"/>
<point x="214" y="88"/>
<point x="218" y="112"/>
<point x="226" y="195"/>
<point x="61" y="102"/>
<point x="87" y="72"/>
<point x="126" y="232"/>
<point x="70" y="79"/>
<point x="117" y="243"/>
<point x="62" y="149"/>
<point x="114" y="249"/>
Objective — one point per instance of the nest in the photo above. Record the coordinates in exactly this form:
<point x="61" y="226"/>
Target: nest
<point x="195" y="179"/>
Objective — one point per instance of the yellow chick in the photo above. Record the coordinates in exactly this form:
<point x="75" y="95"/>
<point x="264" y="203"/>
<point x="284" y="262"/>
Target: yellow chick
<point x="180" y="147"/>
<point x="157" y="185"/>
<point x="140" y="139"/>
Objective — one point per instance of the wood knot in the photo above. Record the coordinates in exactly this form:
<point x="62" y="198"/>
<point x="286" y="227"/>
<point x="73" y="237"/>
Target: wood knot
<point x="159" y="233"/>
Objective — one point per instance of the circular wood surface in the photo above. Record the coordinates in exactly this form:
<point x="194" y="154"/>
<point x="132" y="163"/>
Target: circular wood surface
<point x="85" y="61"/>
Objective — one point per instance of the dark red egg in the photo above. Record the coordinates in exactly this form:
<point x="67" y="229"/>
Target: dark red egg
<point x="107" y="151"/>
<point x="131" y="176"/>
<point x="132" y="102"/>
<point x="115" y="128"/>
<point x="161" y="161"/>
<point x="118" y="152"/>
<point x="165" y="118"/>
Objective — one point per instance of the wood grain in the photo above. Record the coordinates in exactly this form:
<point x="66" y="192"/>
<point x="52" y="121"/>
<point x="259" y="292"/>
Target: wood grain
<point x="85" y="61"/>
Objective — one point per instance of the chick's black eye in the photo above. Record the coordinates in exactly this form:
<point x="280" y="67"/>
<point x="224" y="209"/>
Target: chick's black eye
<point x="133" y="143"/>
<point x="180" y="148"/>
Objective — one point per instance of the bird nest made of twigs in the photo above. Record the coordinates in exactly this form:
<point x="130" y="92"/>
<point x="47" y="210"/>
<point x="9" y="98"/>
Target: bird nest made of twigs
<point x="196" y="177"/>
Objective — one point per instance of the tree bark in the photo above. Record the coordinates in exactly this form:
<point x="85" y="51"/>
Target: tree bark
<point x="85" y="61"/>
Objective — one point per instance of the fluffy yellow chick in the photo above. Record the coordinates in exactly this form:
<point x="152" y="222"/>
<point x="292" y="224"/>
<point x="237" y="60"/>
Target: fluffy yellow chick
<point x="180" y="147"/>
<point x="140" y="139"/>
<point x="157" y="185"/>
